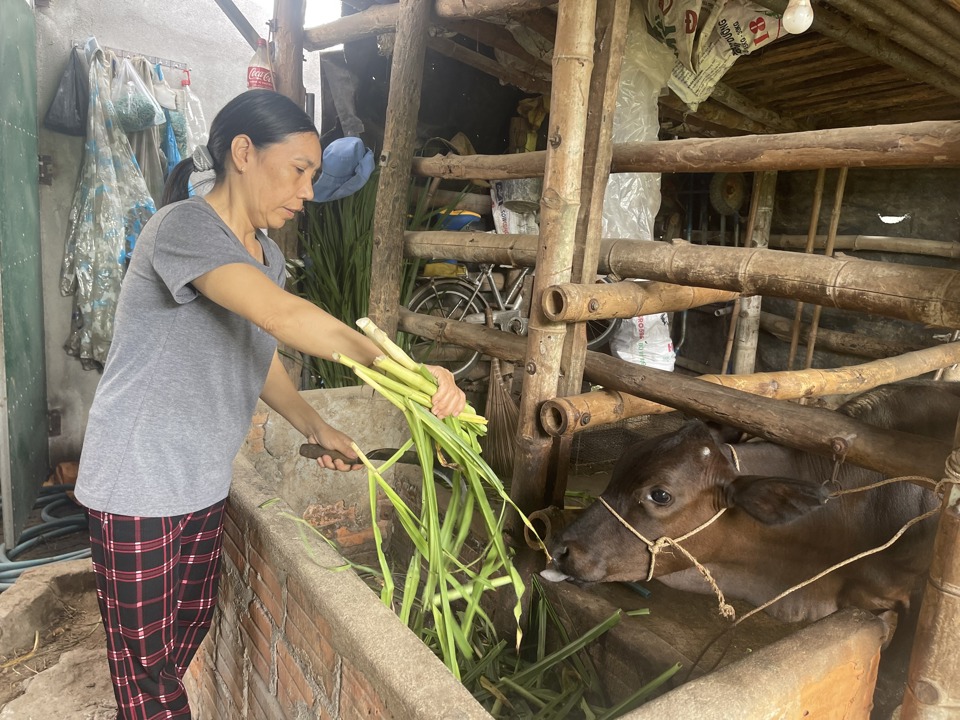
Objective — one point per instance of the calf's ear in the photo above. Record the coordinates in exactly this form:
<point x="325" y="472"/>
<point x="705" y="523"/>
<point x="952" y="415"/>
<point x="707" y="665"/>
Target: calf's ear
<point x="774" y="500"/>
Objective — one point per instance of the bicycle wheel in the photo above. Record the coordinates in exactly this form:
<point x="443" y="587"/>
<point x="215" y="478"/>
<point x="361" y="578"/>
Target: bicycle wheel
<point x="599" y="331"/>
<point x="454" y="301"/>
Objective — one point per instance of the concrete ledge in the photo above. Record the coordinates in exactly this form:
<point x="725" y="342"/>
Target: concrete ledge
<point x="411" y="680"/>
<point x="826" y="670"/>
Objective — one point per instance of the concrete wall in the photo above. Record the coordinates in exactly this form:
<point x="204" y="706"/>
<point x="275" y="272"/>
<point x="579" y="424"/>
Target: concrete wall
<point x="197" y="33"/>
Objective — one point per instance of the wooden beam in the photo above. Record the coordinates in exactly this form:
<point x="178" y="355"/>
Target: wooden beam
<point x="876" y="46"/>
<point x="240" y="22"/>
<point x="289" y="41"/>
<point x="403" y="104"/>
<point x="383" y="18"/>
<point x="493" y="36"/>
<point x="524" y="80"/>
<point x="844" y="343"/>
<point x="930" y="42"/>
<point x="559" y="208"/>
<point x="740" y="103"/>
<point x="922" y="294"/>
<point x="922" y="144"/>
<point x="715" y="114"/>
<point x="568" y="415"/>
<point x="812" y="429"/>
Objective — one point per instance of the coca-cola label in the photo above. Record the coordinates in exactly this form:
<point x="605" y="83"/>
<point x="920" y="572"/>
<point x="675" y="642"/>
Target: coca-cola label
<point x="259" y="77"/>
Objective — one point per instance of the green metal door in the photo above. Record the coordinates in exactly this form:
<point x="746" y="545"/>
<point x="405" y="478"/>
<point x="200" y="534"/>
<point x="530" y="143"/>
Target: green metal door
<point x="24" y="453"/>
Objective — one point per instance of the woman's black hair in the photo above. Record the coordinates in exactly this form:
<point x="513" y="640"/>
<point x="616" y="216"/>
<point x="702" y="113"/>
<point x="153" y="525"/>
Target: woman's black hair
<point x="265" y="116"/>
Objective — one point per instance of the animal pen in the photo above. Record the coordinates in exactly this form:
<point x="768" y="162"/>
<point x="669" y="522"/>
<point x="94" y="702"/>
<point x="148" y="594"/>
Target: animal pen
<point x="589" y="43"/>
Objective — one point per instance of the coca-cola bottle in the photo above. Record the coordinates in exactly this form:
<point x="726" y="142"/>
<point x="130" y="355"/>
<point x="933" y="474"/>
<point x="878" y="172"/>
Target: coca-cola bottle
<point x="259" y="71"/>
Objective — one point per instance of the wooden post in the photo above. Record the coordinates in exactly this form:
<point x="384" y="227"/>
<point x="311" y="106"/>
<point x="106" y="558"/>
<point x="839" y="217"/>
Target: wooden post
<point x="828" y="252"/>
<point x="933" y="680"/>
<point x="400" y="132"/>
<point x="748" y="322"/>
<point x="811" y="238"/>
<point x="858" y="344"/>
<point x="874" y="243"/>
<point x="933" y="143"/>
<point x="559" y="206"/>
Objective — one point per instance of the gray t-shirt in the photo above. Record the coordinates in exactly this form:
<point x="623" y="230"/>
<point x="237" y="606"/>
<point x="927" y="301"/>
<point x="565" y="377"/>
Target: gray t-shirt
<point x="182" y="377"/>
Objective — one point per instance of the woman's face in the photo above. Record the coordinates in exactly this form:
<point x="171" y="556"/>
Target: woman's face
<point x="279" y="178"/>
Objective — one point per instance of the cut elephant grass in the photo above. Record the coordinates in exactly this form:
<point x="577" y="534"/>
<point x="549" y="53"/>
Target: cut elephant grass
<point x="440" y="595"/>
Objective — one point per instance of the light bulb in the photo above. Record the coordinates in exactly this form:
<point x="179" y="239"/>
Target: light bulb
<point x="798" y="16"/>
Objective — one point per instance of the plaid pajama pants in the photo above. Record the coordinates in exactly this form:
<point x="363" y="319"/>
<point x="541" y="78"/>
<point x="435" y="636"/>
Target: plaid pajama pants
<point x="157" y="580"/>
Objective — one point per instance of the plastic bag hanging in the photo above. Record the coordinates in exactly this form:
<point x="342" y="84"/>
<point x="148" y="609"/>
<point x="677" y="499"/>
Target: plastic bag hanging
<point x="67" y="113"/>
<point x="196" y="124"/>
<point x="110" y="206"/>
<point x="136" y="107"/>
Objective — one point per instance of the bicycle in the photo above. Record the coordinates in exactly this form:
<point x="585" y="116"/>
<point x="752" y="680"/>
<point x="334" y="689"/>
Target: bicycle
<point x="467" y="299"/>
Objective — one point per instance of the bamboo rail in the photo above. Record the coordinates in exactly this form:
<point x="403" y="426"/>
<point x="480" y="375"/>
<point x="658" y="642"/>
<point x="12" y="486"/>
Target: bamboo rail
<point x="599" y="301"/>
<point x="909" y="292"/>
<point x="573" y="414"/>
<point x="934" y="143"/>
<point x="873" y="243"/>
<point x="859" y="344"/>
<point x="807" y="249"/>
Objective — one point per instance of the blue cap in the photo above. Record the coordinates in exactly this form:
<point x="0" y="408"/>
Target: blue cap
<point x="347" y="165"/>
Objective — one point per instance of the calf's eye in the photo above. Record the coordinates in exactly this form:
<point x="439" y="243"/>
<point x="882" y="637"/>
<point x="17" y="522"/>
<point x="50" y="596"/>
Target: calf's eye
<point x="660" y="496"/>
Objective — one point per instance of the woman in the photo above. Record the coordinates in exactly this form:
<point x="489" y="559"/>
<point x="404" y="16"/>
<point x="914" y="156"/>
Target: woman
<point x="197" y="325"/>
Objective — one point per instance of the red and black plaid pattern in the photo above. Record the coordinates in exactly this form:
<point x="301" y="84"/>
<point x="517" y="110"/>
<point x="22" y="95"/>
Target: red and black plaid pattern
<point x="157" y="584"/>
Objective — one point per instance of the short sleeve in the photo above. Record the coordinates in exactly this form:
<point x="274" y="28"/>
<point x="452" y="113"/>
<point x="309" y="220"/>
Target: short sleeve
<point x="191" y="241"/>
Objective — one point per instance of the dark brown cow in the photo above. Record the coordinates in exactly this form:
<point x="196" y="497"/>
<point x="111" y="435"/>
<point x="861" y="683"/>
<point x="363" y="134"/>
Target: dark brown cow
<point x="779" y="527"/>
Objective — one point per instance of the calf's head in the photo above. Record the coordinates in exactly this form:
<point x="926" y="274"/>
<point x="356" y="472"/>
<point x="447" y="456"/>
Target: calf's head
<point x="666" y="487"/>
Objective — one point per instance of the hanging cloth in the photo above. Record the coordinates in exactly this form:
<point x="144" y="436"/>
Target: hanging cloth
<point x="110" y="206"/>
<point x="147" y="143"/>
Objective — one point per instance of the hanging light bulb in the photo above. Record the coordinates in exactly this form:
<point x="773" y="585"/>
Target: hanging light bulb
<point x="798" y="16"/>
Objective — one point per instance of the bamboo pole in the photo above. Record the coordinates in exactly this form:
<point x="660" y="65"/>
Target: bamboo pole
<point x="859" y="344"/>
<point x="240" y="22"/>
<point x="592" y="409"/>
<point x="599" y="301"/>
<point x="876" y="46"/>
<point x="933" y="679"/>
<point x="610" y="41"/>
<point x="383" y="18"/>
<point x="874" y="243"/>
<point x="909" y="292"/>
<point x="576" y="413"/>
<point x="559" y="207"/>
<point x="726" y="95"/>
<point x="828" y="252"/>
<point x="812" y="429"/>
<point x="748" y="323"/>
<point x="493" y="35"/>
<point x="389" y="218"/>
<point x="934" y="10"/>
<point x="934" y="143"/>
<point x="808" y="249"/>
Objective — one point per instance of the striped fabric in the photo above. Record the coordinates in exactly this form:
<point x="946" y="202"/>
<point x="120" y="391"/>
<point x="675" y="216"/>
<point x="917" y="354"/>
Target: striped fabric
<point x="157" y="584"/>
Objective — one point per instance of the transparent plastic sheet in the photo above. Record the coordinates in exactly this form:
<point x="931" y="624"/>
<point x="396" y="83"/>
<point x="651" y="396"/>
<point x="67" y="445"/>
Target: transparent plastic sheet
<point x="110" y="206"/>
<point x="197" y="130"/>
<point x="632" y="200"/>
<point x="146" y="143"/>
<point x="136" y="107"/>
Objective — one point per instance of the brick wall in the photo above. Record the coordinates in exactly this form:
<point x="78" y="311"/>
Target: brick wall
<point x="294" y="638"/>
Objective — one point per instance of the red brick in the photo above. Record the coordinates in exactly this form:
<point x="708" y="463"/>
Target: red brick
<point x="258" y="631"/>
<point x="233" y="530"/>
<point x="254" y="445"/>
<point x="305" y="635"/>
<point x="290" y="678"/>
<point x="267" y="586"/>
<point x="234" y="556"/>
<point x="352" y="538"/>
<point x="263" y="703"/>
<point x="358" y="699"/>
<point x="230" y="671"/>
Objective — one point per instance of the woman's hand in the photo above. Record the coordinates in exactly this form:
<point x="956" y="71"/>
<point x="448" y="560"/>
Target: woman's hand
<point x="332" y="439"/>
<point x="448" y="399"/>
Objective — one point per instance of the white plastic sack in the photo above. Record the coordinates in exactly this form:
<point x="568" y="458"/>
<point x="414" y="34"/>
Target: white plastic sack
<point x="644" y="340"/>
